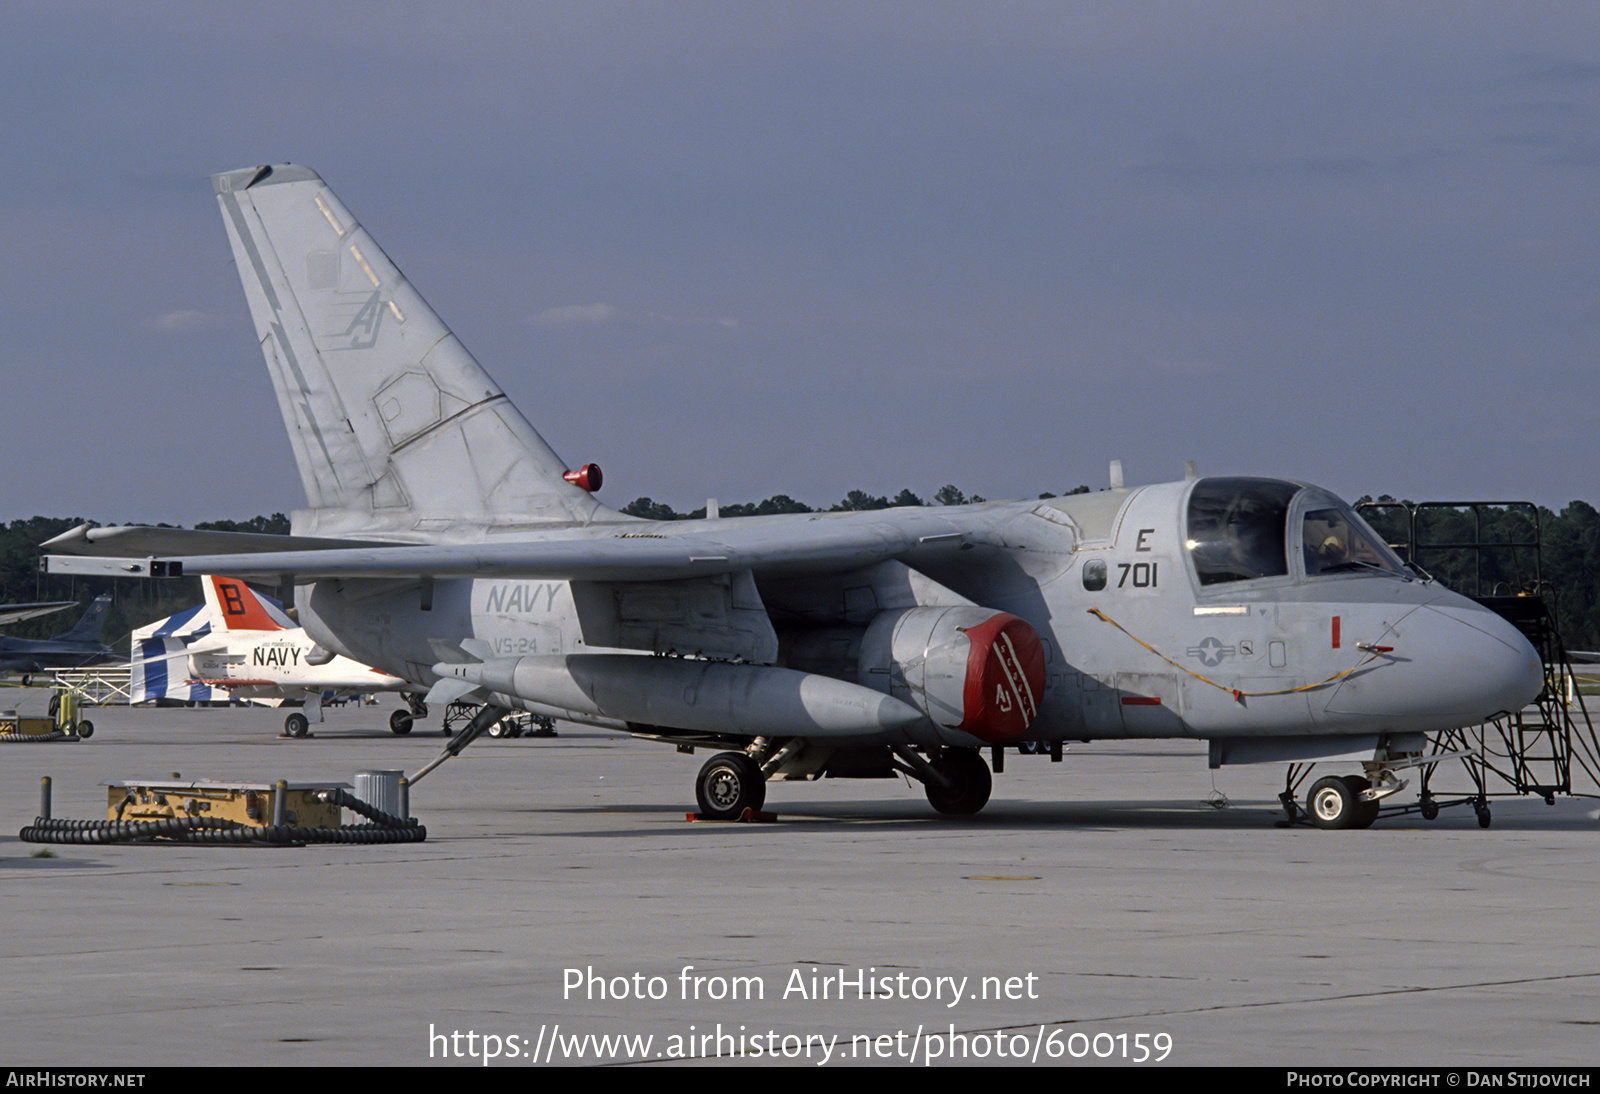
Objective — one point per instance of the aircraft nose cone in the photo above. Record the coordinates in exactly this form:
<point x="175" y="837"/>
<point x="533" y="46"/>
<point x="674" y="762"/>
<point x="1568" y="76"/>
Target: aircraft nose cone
<point x="1452" y="665"/>
<point x="1511" y="671"/>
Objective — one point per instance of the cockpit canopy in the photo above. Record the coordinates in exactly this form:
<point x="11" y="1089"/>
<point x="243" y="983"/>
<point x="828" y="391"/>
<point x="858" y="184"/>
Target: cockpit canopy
<point x="1245" y="529"/>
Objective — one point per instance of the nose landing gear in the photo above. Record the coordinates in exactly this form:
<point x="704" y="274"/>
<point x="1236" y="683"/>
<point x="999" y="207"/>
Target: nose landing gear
<point x="1336" y="802"/>
<point x="1345" y="801"/>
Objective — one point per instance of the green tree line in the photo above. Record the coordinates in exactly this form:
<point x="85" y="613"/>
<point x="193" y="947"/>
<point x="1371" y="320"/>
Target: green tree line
<point x="1502" y="560"/>
<point x="854" y="501"/>
<point x="134" y="603"/>
<point x="1505" y="551"/>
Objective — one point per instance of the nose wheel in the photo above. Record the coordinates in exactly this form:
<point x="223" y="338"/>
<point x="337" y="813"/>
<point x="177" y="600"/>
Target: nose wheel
<point x="1336" y="802"/>
<point x="1342" y="801"/>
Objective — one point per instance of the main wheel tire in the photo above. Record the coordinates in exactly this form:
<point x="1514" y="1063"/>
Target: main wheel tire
<point x="500" y="729"/>
<point x="970" y="786"/>
<point x="1333" y="803"/>
<point x="728" y="784"/>
<point x="1366" y="811"/>
<point x="297" y="725"/>
<point x="400" y="722"/>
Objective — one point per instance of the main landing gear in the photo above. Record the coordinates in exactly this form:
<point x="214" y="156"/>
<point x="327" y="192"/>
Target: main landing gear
<point x="728" y="784"/>
<point x="957" y="781"/>
<point x="401" y="721"/>
<point x="962" y="782"/>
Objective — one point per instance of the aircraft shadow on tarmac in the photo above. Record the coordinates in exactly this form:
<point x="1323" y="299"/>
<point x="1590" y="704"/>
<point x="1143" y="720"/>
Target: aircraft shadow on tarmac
<point x="1522" y="815"/>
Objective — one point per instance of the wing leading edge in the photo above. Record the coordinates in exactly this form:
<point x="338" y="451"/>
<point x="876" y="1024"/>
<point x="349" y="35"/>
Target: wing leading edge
<point x="619" y="553"/>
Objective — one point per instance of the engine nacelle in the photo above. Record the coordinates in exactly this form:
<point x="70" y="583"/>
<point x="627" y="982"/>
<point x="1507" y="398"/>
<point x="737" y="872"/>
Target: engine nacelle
<point x="967" y="668"/>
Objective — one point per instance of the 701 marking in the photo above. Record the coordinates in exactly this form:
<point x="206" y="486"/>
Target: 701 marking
<point x="1142" y="574"/>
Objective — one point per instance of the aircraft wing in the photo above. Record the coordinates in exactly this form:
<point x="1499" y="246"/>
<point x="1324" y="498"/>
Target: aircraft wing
<point x="142" y="541"/>
<point x="16" y="613"/>
<point x="613" y="554"/>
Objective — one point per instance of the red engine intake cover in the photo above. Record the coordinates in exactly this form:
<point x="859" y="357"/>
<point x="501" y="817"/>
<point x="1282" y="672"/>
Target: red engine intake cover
<point x="1005" y="679"/>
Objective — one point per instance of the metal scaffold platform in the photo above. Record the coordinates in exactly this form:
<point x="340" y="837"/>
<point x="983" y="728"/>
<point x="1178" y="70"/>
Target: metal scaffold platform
<point x="1491" y="551"/>
<point x="1532" y="751"/>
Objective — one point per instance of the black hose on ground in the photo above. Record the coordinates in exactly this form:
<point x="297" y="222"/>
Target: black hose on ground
<point x="388" y="829"/>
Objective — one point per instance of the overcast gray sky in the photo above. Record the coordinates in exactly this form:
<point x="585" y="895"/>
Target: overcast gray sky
<point x="738" y="249"/>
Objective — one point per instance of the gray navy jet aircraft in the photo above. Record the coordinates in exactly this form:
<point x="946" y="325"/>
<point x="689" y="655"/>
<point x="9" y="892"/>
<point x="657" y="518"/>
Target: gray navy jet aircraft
<point x="75" y="649"/>
<point x="446" y="543"/>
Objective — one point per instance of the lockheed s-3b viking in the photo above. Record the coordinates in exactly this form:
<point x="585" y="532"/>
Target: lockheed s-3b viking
<point x="446" y="543"/>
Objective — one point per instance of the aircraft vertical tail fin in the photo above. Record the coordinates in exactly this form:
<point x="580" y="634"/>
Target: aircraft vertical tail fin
<point x="395" y="427"/>
<point x="89" y="628"/>
<point x="238" y="607"/>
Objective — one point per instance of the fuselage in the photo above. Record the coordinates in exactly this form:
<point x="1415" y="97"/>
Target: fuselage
<point x="276" y="663"/>
<point x="1212" y="608"/>
<point x="19" y="655"/>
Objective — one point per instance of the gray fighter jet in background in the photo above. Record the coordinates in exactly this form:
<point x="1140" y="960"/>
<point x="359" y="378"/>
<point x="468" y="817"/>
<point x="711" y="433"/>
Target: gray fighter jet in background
<point x="446" y="543"/>
<point x="75" y="649"/>
<point x="16" y="613"/>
